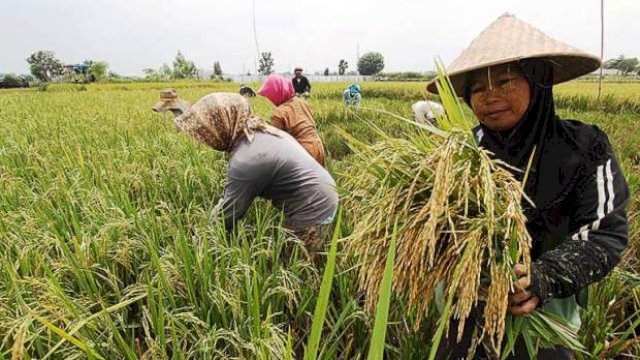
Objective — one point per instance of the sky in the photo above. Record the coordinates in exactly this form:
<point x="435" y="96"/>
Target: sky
<point x="131" y="35"/>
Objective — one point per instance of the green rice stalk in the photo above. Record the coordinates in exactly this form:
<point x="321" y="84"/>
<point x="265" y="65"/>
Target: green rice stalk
<point x="376" y="349"/>
<point x="311" y="352"/>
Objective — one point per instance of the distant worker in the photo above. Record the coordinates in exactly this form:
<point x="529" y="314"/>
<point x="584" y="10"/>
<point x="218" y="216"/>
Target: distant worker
<point x="247" y="91"/>
<point x="351" y="96"/>
<point x="301" y="84"/>
<point x="293" y="115"/>
<point x="169" y="101"/>
<point x="426" y="111"/>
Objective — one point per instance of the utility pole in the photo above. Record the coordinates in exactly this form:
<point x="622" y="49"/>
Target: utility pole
<point x="357" y="54"/>
<point x="601" y="48"/>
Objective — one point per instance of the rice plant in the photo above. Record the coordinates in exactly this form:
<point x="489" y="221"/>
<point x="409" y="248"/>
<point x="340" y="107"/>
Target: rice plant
<point x="106" y="249"/>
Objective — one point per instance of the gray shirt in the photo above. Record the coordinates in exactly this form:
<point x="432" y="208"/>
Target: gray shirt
<point x="278" y="168"/>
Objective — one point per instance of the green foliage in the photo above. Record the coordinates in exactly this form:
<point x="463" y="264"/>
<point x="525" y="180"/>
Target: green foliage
<point x="152" y="74"/>
<point x="320" y="312"/>
<point x="265" y="65"/>
<point x="98" y="70"/>
<point x="406" y="76"/>
<point x="182" y="68"/>
<point x="342" y="66"/>
<point x="44" y="65"/>
<point x="376" y="349"/>
<point x="165" y="72"/>
<point x="370" y="63"/>
<point x="623" y="64"/>
<point x="217" y="70"/>
<point x="9" y="81"/>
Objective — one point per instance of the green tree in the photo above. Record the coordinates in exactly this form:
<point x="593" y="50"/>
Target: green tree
<point x="183" y="68"/>
<point x="623" y="64"/>
<point x="151" y="74"/>
<point x="612" y="63"/>
<point x="265" y="66"/>
<point x="342" y="66"/>
<point x="370" y="63"/>
<point x="12" y="81"/>
<point x="628" y="66"/>
<point x="98" y="70"/>
<point x="165" y="71"/>
<point x="44" y="65"/>
<point x="326" y="72"/>
<point x="217" y="69"/>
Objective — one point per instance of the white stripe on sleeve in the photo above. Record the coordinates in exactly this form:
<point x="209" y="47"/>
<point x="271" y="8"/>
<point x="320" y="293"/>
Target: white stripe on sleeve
<point x="602" y="183"/>
<point x="610" y="187"/>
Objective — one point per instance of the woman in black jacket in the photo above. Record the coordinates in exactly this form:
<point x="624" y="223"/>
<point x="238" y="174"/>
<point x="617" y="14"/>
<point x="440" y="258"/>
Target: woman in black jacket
<point x="577" y="220"/>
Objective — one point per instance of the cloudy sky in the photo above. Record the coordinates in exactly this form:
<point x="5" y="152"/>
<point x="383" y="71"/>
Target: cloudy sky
<point x="135" y="34"/>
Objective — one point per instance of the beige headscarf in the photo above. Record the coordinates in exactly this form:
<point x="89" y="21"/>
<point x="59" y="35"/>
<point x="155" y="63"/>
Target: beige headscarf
<point x="221" y="119"/>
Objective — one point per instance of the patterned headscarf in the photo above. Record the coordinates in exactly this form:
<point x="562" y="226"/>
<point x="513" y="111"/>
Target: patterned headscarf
<point x="221" y="119"/>
<point x="277" y="89"/>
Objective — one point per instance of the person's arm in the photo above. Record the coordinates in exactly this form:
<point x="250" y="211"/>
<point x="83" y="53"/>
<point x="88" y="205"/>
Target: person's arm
<point x="278" y="120"/>
<point x="239" y="192"/>
<point x="308" y="85"/>
<point x="601" y="232"/>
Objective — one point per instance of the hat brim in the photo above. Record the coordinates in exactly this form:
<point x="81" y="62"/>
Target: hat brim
<point x="565" y="67"/>
<point x="164" y="105"/>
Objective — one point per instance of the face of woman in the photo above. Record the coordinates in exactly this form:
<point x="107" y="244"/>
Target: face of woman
<point x="499" y="96"/>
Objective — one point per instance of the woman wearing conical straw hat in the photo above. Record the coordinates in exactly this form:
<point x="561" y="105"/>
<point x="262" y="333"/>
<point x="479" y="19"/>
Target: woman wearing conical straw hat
<point x="578" y="221"/>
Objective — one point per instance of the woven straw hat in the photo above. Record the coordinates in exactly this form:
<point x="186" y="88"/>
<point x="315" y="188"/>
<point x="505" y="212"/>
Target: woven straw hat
<point x="168" y="94"/>
<point x="168" y="100"/>
<point x="508" y="39"/>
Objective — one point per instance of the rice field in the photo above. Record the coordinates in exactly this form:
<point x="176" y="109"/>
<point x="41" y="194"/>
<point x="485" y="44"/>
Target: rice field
<point x="106" y="250"/>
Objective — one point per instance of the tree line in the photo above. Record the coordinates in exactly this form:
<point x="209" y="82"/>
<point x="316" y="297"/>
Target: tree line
<point x="44" y="66"/>
<point x="625" y="66"/>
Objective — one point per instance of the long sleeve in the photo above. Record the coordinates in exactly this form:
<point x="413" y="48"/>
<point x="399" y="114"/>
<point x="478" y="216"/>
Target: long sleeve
<point x="239" y="192"/>
<point x="599" y="232"/>
<point x="278" y="120"/>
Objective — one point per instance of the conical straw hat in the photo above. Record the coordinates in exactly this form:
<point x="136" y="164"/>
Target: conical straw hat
<point x="508" y="39"/>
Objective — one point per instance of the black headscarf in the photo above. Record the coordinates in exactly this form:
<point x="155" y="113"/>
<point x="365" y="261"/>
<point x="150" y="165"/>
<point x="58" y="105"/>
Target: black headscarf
<point x="514" y="146"/>
<point x="538" y="129"/>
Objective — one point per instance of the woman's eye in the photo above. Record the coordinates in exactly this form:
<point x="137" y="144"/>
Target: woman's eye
<point x="477" y="89"/>
<point x="506" y="81"/>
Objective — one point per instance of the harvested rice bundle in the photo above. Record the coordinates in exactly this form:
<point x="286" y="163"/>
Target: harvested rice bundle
<point x="460" y="225"/>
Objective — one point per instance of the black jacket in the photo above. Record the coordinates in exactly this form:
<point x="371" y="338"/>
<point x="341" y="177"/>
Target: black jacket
<point x="578" y="221"/>
<point x="579" y="228"/>
<point x="301" y="85"/>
